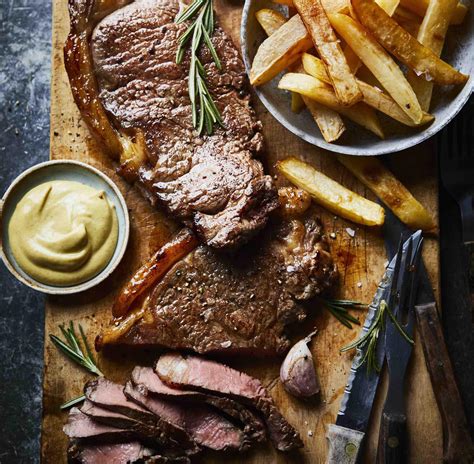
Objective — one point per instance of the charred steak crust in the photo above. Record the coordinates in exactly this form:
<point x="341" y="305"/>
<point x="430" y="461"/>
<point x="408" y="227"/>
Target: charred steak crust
<point x="242" y="302"/>
<point x="211" y="183"/>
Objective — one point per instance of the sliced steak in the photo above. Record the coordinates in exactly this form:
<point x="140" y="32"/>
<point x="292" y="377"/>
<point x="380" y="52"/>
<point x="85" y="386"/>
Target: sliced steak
<point x="209" y="302"/>
<point x="116" y="453"/>
<point x="127" y="68"/>
<point x="203" y="424"/>
<point x="252" y="425"/>
<point x="110" y="397"/>
<point x="79" y="425"/>
<point x="205" y="375"/>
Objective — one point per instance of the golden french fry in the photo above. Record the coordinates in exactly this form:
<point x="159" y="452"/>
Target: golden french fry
<point x="420" y="6"/>
<point x="315" y="67"/>
<point x="352" y="59"/>
<point x="297" y="103"/>
<point x="280" y="50"/>
<point x="404" y="46"/>
<point x="322" y="93"/>
<point x="382" y="66"/>
<point x="389" y="6"/>
<point x="431" y="34"/>
<point x="314" y="17"/>
<point x="332" y="195"/>
<point x="373" y="174"/>
<point x="373" y="96"/>
<point x="331" y="6"/>
<point x="329" y="122"/>
<point x="408" y="20"/>
<point x="270" y="20"/>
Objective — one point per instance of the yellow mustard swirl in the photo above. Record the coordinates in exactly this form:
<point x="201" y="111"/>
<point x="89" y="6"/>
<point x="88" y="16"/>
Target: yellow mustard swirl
<point x="63" y="232"/>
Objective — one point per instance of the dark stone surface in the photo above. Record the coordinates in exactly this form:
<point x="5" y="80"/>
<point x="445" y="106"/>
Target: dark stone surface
<point x="25" y="45"/>
<point x="25" y="56"/>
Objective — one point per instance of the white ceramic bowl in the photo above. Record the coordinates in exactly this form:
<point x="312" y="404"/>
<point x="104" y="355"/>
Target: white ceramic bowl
<point x="447" y="101"/>
<point x="62" y="170"/>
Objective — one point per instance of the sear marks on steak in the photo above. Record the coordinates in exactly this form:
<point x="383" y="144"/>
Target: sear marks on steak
<point x="205" y="426"/>
<point x="111" y="406"/>
<point x="253" y="426"/>
<point x="206" y="375"/>
<point x="210" y="182"/>
<point x="211" y="302"/>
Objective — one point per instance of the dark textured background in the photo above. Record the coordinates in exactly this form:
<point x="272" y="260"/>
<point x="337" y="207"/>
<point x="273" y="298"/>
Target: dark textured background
<point x="25" y="46"/>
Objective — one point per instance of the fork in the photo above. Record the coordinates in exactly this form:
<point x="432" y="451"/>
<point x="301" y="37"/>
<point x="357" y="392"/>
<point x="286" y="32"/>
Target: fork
<point x="456" y="153"/>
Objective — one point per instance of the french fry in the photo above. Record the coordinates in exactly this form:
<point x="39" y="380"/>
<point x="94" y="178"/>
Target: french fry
<point x="420" y="6"/>
<point x="352" y="59"/>
<point x="408" y="20"/>
<point x="373" y="96"/>
<point x="270" y="20"/>
<point x="380" y="63"/>
<point x="373" y="174"/>
<point x="331" y="6"/>
<point x="329" y="122"/>
<point x="404" y="46"/>
<point x="314" y="17"/>
<point x="280" y="50"/>
<point x="297" y="103"/>
<point x="322" y="93"/>
<point x="332" y="195"/>
<point x="431" y="34"/>
<point x="389" y="6"/>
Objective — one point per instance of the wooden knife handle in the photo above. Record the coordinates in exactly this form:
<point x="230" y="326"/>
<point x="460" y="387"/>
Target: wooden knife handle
<point x="344" y="444"/>
<point x="457" y="443"/>
<point x="392" y="448"/>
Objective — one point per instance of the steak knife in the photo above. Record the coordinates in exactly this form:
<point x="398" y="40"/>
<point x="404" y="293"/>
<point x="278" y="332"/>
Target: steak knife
<point x="392" y="448"/>
<point x="346" y="435"/>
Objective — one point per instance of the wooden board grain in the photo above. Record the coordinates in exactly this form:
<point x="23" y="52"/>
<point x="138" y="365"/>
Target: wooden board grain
<point x="361" y="261"/>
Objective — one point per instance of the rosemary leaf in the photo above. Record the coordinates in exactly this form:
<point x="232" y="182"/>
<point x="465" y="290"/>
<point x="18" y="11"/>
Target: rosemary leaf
<point x="204" y="111"/>
<point x="73" y="402"/>
<point x="339" y="309"/>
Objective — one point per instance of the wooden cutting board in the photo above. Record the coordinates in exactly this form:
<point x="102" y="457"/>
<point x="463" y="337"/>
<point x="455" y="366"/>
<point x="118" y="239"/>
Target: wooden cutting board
<point x="360" y="259"/>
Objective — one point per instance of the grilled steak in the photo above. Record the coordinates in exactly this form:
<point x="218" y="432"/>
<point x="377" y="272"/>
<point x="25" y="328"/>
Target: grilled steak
<point x="79" y="425"/>
<point x="134" y="98"/>
<point x="117" y="453"/>
<point x="112" y="407"/>
<point x="210" y="302"/>
<point x="203" y="374"/>
<point x="252" y="425"/>
<point x="204" y="425"/>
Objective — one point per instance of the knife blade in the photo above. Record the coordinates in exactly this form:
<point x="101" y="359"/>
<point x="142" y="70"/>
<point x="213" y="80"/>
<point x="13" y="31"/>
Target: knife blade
<point x="346" y="435"/>
<point x="392" y="439"/>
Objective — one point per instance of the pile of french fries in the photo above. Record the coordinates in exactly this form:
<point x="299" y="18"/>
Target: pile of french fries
<point x="342" y="59"/>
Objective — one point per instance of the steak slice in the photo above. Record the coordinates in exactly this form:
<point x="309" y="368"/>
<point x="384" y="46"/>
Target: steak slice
<point x="238" y="303"/>
<point x="116" y="453"/>
<point x="205" y="375"/>
<point x="134" y="98"/>
<point x="204" y="425"/>
<point x="252" y="425"/>
<point x="79" y="425"/>
<point x="109" y="396"/>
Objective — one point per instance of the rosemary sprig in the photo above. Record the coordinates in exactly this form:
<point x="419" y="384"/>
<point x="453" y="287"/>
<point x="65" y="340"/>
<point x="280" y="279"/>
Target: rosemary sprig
<point x="340" y="310"/>
<point x="82" y="355"/>
<point x="369" y="340"/>
<point x="204" y="110"/>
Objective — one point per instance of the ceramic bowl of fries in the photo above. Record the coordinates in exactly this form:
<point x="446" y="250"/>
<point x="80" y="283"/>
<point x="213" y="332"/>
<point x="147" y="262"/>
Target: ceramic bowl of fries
<point x="360" y="77"/>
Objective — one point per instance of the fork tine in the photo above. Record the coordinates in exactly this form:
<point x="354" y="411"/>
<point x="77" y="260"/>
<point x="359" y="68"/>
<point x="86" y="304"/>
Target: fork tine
<point x="405" y="283"/>
<point x="396" y="270"/>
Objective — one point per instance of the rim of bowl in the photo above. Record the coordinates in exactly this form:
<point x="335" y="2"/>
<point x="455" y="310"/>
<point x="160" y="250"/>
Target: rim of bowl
<point x="411" y="141"/>
<point x="109" y="267"/>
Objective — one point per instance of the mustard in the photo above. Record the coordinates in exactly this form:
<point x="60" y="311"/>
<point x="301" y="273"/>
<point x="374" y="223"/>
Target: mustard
<point x="63" y="232"/>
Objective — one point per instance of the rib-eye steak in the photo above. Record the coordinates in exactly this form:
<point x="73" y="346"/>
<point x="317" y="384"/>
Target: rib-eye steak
<point x="241" y="302"/>
<point x="134" y="98"/>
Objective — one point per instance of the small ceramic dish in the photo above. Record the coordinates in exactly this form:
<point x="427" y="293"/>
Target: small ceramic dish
<point x="62" y="170"/>
<point x="447" y="100"/>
